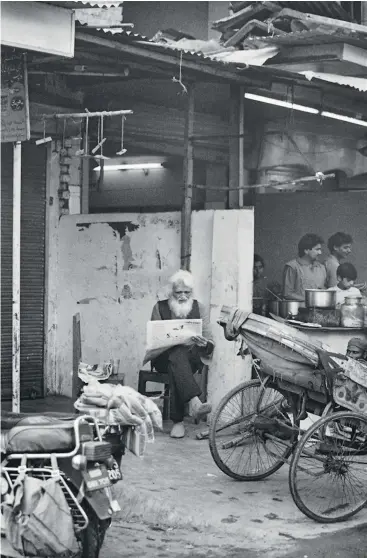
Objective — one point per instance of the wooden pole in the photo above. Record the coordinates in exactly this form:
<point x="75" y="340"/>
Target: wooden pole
<point x="85" y="176"/>
<point x="188" y="176"/>
<point x="17" y="166"/>
<point x="241" y="144"/>
<point x="234" y="147"/>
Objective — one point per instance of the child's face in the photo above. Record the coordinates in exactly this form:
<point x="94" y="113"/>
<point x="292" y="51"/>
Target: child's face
<point x="345" y="283"/>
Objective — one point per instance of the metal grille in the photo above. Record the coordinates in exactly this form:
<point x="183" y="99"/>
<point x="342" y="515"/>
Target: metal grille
<point x="33" y="209"/>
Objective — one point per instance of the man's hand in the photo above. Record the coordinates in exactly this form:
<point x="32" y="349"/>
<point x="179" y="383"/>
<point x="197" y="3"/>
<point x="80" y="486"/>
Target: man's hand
<point x="199" y="340"/>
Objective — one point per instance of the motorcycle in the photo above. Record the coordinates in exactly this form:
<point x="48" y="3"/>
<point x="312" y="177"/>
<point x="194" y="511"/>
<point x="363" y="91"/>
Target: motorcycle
<point x="72" y="450"/>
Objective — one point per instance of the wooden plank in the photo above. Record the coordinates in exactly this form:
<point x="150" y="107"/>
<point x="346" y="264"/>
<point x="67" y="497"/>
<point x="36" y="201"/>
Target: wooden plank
<point x="188" y="175"/>
<point x="17" y="171"/>
<point x="234" y="147"/>
<point x="244" y="15"/>
<point x="247" y="28"/>
<point x="241" y="146"/>
<point x="85" y="177"/>
<point x="287" y="12"/>
<point x="77" y="354"/>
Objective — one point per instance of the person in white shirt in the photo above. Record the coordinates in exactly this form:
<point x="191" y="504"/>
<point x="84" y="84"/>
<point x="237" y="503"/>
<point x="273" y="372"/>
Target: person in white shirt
<point x="346" y="276"/>
<point x="340" y="246"/>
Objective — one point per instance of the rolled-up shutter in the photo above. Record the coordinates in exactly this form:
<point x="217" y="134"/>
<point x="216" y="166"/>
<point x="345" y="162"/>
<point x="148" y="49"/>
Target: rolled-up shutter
<point x="32" y="274"/>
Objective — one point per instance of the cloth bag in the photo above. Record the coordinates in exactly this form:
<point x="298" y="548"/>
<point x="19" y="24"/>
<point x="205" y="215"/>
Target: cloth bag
<point x="39" y="523"/>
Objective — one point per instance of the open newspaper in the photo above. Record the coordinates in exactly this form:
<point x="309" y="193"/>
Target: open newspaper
<point x="164" y="334"/>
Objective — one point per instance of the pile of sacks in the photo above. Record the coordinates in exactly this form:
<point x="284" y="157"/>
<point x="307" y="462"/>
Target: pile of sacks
<point x="123" y="405"/>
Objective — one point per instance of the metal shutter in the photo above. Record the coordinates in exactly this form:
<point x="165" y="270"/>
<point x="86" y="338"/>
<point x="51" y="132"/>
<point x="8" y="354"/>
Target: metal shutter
<point x="32" y="278"/>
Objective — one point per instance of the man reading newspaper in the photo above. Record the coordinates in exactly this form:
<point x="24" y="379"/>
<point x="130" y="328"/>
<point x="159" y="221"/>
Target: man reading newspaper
<point x="183" y="350"/>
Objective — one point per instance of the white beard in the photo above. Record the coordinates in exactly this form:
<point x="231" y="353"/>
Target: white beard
<point x="180" y="310"/>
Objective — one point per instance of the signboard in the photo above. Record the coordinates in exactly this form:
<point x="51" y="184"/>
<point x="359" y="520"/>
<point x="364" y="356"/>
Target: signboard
<point x="38" y="26"/>
<point x="14" y="97"/>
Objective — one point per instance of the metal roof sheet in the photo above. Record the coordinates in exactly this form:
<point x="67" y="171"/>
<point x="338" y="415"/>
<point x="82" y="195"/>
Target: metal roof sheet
<point x="213" y="51"/>
<point x="82" y="4"/>
<point x="349" y="81"/>
<point x="262" y="73"/>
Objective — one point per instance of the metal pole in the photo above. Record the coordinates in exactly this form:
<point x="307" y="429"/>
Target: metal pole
<point x="17" y="166"/>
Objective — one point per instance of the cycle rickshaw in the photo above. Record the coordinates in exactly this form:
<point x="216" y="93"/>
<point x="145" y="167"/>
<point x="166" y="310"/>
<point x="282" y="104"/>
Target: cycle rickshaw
<point x="259" y="425"/>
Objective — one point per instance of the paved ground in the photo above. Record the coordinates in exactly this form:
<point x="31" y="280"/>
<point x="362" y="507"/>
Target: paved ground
<point x="176" y="503"/>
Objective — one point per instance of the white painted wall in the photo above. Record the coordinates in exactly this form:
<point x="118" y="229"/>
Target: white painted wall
<point x="113" y="278"/>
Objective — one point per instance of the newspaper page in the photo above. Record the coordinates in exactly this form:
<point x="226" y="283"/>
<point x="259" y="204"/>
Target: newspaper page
<point x="164" y="334"/>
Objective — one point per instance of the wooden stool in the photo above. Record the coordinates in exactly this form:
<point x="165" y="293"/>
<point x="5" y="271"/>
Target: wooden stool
<point x="154" y="376"/>
<point x="146" y="376"/>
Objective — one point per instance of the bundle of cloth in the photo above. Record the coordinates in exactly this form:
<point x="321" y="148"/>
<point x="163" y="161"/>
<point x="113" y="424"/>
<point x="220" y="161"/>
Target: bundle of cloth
<point x="117" y="404"/>
<point x="87" y="372"/>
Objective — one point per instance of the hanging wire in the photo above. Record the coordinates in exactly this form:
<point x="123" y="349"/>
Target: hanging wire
<point x="179" y="80"/>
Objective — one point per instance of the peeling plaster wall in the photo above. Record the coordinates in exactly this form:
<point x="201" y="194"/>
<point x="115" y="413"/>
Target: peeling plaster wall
<point x="112" y="268"/>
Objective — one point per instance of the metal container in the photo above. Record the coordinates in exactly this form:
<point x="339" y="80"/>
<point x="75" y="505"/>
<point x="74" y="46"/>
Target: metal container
<point x="352" y="312"/>
<point x="289" y="308"/>
<point x="318" y="298"/>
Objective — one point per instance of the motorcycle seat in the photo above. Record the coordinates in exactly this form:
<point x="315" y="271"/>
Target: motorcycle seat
<point x="29" y="433"/>
<point x="9" y="419"/>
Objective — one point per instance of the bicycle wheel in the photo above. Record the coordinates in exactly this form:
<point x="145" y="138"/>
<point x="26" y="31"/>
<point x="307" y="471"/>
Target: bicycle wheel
<point x="240" y="446"/>
<point x="328" y="472"/>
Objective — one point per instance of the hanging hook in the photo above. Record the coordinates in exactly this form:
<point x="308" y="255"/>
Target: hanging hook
<point x="44" y="139"/>
<point x="122" y="150"/>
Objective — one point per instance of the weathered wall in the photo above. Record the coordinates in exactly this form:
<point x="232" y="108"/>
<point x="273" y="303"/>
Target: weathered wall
<point x="281" y="220"/>
<point x="112" y="268"/>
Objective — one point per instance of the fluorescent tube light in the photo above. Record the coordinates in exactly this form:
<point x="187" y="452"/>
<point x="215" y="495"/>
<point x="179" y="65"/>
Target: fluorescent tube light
<point x="131" y="166"/>
<point x="279" y="103"/>
<point x="343" y="118"/>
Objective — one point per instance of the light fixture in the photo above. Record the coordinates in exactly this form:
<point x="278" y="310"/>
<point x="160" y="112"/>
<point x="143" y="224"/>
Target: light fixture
<point x="303" y="108"/>
<point x="131" y="166"/>
<point x="279" y="103"/>
<point x="343" y="118"/>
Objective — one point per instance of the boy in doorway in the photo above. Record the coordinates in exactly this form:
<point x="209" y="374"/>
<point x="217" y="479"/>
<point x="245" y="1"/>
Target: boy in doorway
<point x="346" y="276"/>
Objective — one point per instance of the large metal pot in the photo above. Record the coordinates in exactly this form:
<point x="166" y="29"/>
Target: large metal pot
<point x="288" y="308"/>
<point x="319" y="298"/>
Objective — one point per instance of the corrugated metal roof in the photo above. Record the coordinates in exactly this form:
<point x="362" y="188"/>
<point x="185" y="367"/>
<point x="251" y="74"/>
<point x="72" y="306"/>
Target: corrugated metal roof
<point x="82" y="4"/>
<point x="123" y="36"/>
<point x="214" y="51"/>
<point x="348" y="81"/>
<point x="258" y="73"/>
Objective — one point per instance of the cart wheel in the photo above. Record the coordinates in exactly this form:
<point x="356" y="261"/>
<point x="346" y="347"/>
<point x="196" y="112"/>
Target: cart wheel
<point x="242" y="449"/>
<point x="328" y="472"/>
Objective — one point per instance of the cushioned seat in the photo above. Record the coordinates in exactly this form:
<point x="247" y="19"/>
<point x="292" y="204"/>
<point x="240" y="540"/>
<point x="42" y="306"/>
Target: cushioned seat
<point x="9" y="419"/>
<point x="28" y="433"/>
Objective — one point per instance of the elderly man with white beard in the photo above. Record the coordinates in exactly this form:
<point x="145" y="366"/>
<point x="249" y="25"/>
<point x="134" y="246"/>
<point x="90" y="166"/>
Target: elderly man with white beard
<point x="182" y="361"/>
